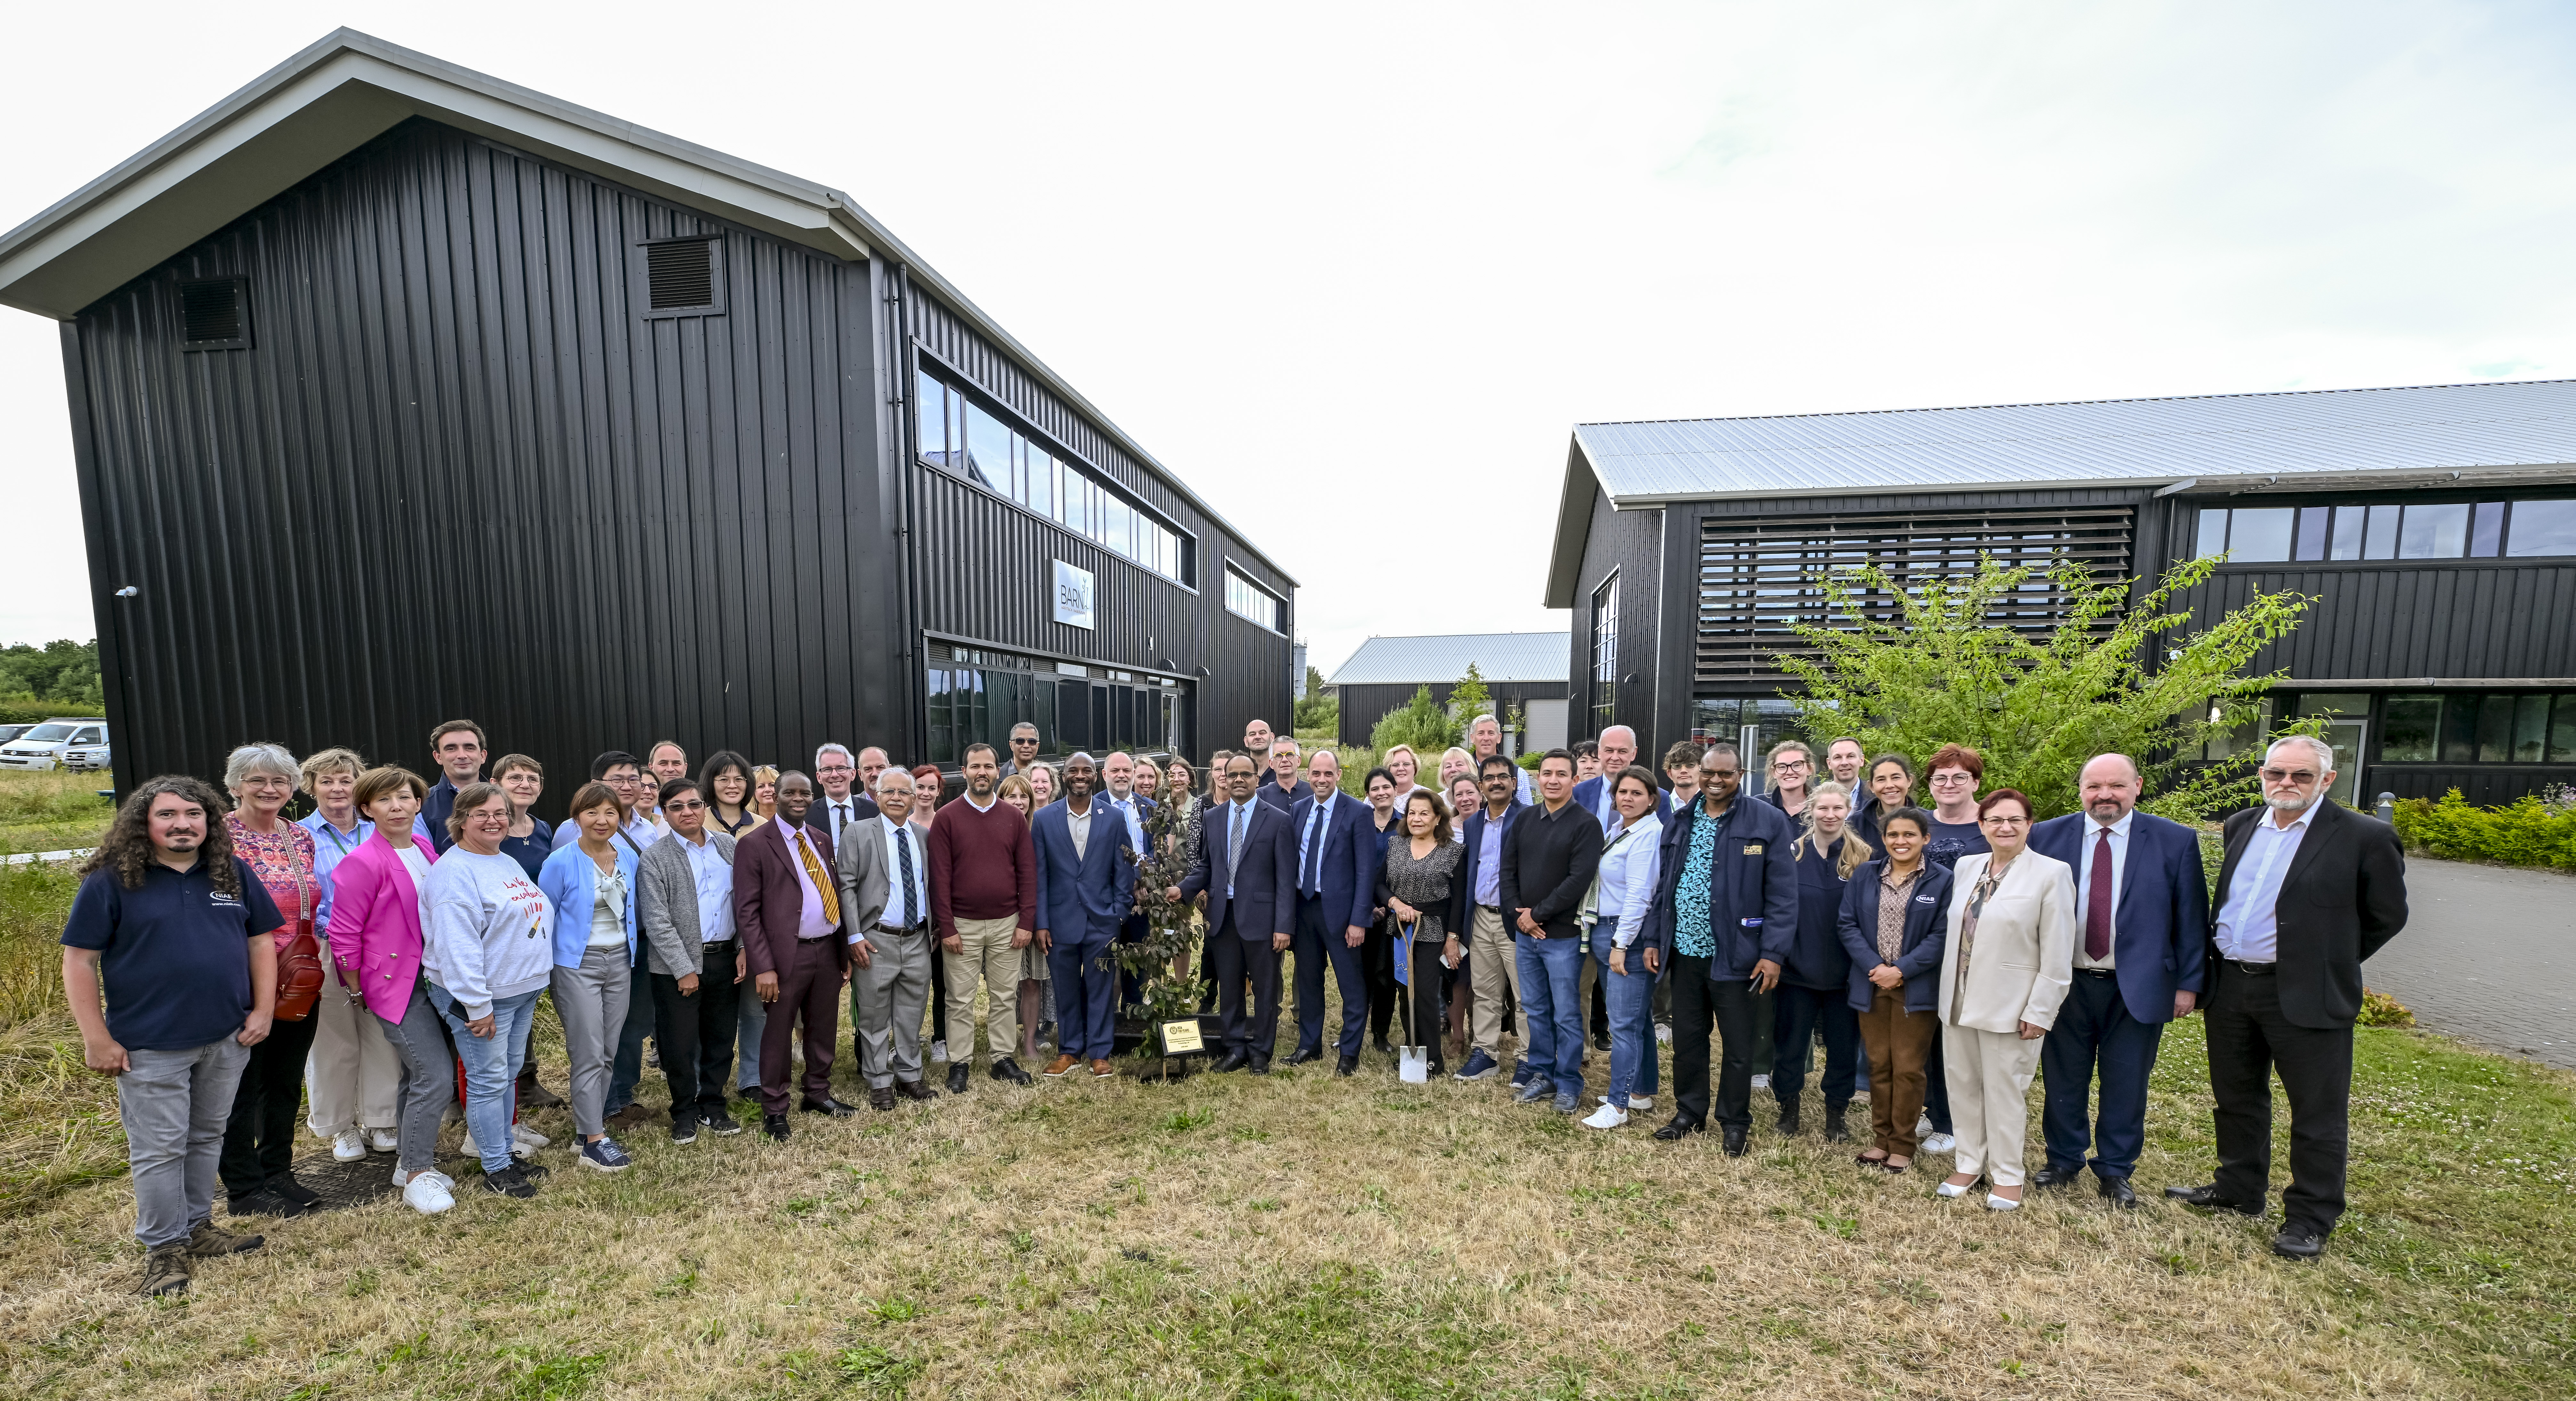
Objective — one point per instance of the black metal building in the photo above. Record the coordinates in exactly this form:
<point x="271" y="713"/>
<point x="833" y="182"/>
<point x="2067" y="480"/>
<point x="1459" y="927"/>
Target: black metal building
<point x="2435" y="527"/>
<point x="400" y="393"/>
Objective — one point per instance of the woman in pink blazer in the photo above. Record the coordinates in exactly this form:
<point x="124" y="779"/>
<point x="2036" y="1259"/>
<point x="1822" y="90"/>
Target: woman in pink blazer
<point x="375" y="938"/>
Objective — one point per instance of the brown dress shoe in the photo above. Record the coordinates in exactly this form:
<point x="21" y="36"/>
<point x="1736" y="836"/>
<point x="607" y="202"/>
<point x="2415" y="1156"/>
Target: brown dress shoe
<point x="914" y="1089"/>
<point x="881" y="1097"/>
<point x="1103" y="1070"/>
<point x="1056" y="1068"/>
<point x="210" y="1239"/>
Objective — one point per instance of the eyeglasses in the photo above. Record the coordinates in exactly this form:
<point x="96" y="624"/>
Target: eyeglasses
<point x="684" y="805"/>
<point x="2301" y="777"/>
<point x="1788" y="766"/>
<point x="1999" y="820"/>
<point x="1952" y="779"/>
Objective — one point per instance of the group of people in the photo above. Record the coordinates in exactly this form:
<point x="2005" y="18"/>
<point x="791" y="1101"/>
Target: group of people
<point x="393" y="944"/>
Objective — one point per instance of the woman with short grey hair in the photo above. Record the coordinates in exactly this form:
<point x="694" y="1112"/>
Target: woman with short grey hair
<point x="258" y="1164"/>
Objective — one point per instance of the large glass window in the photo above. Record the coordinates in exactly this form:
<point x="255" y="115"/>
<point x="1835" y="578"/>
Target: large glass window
<point x="979" y="445"/>
<point x="2434" y="532"/>
<point x="2431" y="530"/>
<point x="1605" y="655"/>
<point x="975" y="696"/>
<point x="2470" y="727"/>
<point x="2541" y="528"/>
<point x="2259" y="534"/>
<point x="1248" y="599"/>
<point x="2413" y="730"/>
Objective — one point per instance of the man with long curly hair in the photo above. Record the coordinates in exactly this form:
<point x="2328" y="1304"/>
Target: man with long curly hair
<point x="170" y="924"/>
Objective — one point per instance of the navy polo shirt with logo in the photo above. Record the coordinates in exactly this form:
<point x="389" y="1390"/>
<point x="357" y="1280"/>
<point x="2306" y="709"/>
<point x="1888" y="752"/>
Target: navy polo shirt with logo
<point x="174" y="956"/>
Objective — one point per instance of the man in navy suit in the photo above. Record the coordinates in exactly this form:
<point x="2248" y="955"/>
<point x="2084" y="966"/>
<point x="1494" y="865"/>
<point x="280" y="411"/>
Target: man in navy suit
<point x="1086" y="882"/>
<point x="1245" y="878"/>
<point x="1337" y="860"/>
<point x="2144" y="906"/>
<point x="1618" y="751"/>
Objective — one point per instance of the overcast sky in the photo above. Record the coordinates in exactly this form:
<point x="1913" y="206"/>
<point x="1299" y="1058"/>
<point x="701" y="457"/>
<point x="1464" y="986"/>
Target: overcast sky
<point x="1355" y="271"/>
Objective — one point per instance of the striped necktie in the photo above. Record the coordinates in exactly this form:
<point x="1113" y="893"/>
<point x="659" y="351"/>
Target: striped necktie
<point x="822" y="883"/>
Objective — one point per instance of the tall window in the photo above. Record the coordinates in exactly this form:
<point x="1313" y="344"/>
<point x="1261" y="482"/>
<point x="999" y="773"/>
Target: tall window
<point x="1247" y="599"/>
<point x="1605" y="654"/>
<point x="958" y="435"/>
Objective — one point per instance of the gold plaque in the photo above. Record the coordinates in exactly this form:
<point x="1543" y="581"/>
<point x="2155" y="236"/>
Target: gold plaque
<point x="1180" y="1038"/>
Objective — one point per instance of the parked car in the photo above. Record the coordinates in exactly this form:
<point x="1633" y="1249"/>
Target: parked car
<point x="49" y="745"/>
<point x="10" y="732"/>
<point x="80" y="757"/>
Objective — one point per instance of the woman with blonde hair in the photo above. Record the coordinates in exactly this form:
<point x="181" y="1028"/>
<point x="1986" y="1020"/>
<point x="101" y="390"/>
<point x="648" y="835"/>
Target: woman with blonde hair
<point x="764" y="801"/>
<point x="352" y="1074"/>
<point x="1814" y="995"/>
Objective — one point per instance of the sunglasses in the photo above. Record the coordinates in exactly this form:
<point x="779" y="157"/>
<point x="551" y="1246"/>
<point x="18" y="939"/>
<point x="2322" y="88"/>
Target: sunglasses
<point x="684" y="805"/>
<point x="2301" y="777"/>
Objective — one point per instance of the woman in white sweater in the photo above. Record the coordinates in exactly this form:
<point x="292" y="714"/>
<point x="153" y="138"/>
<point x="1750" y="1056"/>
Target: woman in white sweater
<point x="487" y="950"/>
<point x="2007" y="965"/>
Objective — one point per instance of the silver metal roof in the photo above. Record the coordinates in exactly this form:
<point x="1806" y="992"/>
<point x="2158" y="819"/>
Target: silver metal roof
<point x="1414" y="661"/>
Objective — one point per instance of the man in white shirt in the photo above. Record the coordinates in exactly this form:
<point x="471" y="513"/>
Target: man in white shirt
<point x="885" y="889"/>
<point x="844" y="799"/>
<point x="684" y="910"/>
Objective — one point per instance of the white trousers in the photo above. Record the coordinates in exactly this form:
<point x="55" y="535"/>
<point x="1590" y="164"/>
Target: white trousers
<point x="1988" y="1073"/>
<point x="352" y="1074"/>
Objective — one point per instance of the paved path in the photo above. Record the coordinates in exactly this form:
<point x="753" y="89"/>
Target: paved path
<point x="2488" y="955"/>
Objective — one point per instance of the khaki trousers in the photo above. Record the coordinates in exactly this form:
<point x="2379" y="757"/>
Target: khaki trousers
<point x="1989" y="1074"/>
<point x="1496" y="966"/>
<point x="987" y="955"/>
<point x="352" y="1072"/>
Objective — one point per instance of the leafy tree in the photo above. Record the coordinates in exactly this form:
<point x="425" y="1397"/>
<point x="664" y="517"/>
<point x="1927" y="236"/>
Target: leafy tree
<point x="1910" y="667"/>
<point x="1315" y="710"/>
<point x="1169" y="933"/>
<point x="64" y="673"/>
<point x="1469" y="699"/>
<point x="1420" y="722"/>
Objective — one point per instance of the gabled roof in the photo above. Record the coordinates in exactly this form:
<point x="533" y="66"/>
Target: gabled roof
<point x="349" y="88"/>
<point x="2523" y="430"/>
<point x="1437" y="661"/>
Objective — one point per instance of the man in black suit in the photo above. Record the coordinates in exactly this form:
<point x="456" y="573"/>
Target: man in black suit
<point x="1245" y="878"/>
<point x="2139" y="963"/>
<point x="2307" y="892"/>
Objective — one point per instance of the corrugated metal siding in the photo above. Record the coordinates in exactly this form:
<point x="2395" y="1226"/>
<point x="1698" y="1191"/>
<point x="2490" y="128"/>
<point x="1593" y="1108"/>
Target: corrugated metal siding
<point x="1364" y="706"/>
<point x="2421" y="618"/>
<point x="459" y="475"/>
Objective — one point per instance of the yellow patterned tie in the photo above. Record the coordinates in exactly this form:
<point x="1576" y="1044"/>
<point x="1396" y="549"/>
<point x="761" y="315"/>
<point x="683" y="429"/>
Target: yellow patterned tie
<point x="814" y="873"/>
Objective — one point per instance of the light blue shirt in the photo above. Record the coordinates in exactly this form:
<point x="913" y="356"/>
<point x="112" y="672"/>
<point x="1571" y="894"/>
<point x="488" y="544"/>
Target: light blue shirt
<point x="1135" y="820"/>
<point x="331" y="846"/>
<point x="1238" y="826"/>
<point x="1489" y="863"/>
<point x="906" y="905"/>
<point x="2248" y="925"/>
<point x="1318" y="817"/>
<point x="713" y="877"/>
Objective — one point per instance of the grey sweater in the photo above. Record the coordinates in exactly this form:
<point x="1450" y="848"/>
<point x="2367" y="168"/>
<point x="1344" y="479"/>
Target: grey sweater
<point x="667" y="904"/>
<point x="490" y="932"/>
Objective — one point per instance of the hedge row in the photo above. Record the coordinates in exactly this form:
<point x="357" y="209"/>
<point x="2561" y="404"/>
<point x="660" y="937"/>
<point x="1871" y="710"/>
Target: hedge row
<point x="2530" y="832"/>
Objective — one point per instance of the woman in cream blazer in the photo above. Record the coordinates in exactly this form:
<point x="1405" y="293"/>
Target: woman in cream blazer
<point x="2005" y="968"/>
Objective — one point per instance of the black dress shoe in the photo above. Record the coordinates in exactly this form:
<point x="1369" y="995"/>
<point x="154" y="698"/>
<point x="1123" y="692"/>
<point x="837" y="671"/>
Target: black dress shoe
<point x="1348" y="1064"/>
<point x="2299" y="1243"/>
<point x="1304" y="1055"/>
<point x="1007" y="1069"/>
<point x="826" y="1105"/>
<point x="1788" y="1124"/>
<point x="2055" y="1176"/>
<point x="881" y="1097"/>
<point x="1680" y="1128"/>
<point x="957" y="1073"/>
<point x="1836" y="1131"/>
<point x="774" y="1125"/>
<point x="305" y="1198"/>
<point x="2207" y="1199"/>
<point x="1734" y="1143"/>
<point x="1601" y="1041"/>
<point x="1234" y="1060"/>
<point x="1381" y="1046"/>
<point x="1262" y="1066"/>
<point x="2117" y="1192"/>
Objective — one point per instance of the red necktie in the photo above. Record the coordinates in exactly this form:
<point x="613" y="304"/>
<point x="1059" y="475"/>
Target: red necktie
<point x="2097" y="900"/>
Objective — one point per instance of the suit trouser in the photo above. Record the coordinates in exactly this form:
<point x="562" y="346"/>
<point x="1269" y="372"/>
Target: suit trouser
<point x="352" y="1073"/>
<point x="1802" y="1013"/>
<point x="2249" y="1039"/>
<point x="1989" y="1099"/>
<point x="809" y="988"/>
<point x="1699" y="1005"/>
<point x="988" y="956"/>
<point x="1936" y="1092"/>
<point x="2093" y="1028"/>
<point x="1238" y="960"/>
<point x="695" y="1031"/>
<point x="1086" y="990"/>
<point x="1320" y="941"/>
<point x="1378" y="953"/>
<point x="886" y="1002"/>
<point x="1899" y="1043"/>
<point x="1495" y="969"/>
<point x="627" y="1071"/>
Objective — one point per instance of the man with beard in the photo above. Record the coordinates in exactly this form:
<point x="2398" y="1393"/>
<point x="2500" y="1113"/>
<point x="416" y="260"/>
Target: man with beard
<point x="984" y="898"/>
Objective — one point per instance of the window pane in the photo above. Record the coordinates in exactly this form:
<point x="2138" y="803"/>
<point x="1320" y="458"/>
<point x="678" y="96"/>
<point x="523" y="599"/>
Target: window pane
<point x="2434" y="532"/>
<point x="2530" y="728"/>
<point x="988" y="449"/>
<point x="2413" y="723"/>
<point x="943" y="736"/>
<point x="2562" y="730"/>
<point x="1075" y="498"/>
<point x="1041" y="481"/>
<point x="2260" y="535"/>
<point x="2460" y="730"/>
<point x="2347" y="533"/>
<point x="2312" y="532"/>
<point x="1121" y="527"/>
<point x="2495" y="730"/>
<point x="930" y="415"/>
<point x="2213" y="532"/>
<point x="2381" y="542"/>
<point x="2486" y="530"/>
<point x="1019" y="469"/>
<point x="2542" y="528"/>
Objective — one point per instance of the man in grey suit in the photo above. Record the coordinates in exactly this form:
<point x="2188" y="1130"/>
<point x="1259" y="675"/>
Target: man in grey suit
<point x="684" y="903"/>
<point x="885" y="892"/>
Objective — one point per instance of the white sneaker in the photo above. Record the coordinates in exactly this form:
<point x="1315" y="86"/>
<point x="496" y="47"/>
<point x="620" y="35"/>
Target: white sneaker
<point x="1664" y="1032"/>
<point x="1922" y="1126"/>
<point x="521" y="1136"/>
<point x="1761" y="1082"/>
<point x="467" y="1147"/>
<point x="1941" y="1143"/>
<point x="1639" y="1104"/>
<point x="1608" y="1116"/>
<point x="939" y="1053"/>
<point x="427" y="1195"/>
<point x="383" y="1140"/>
<point x="347" y="1146"/>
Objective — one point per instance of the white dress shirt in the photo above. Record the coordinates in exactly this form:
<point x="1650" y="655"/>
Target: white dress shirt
<point x="840" y="813"/>
<point x="1126" y="807"/>
<point x="713" y="876"/>
<point x="2248" y="927"/>
<point x="906" y="906"/>
<point x="2084" y="884"/>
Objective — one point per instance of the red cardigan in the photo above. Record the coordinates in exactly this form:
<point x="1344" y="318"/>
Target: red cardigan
<point x="982" y="865"/>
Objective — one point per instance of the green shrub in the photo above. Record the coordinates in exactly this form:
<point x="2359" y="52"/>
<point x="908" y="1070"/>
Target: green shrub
<point x="1420" y="722"/>
<point x="2380" y="1009"/>
<point x="2527" y="832"/>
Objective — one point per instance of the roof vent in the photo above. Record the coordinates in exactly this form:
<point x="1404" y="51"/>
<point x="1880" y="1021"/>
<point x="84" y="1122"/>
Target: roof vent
<point x="214" y="314"/>
<point x="681" y="275"/>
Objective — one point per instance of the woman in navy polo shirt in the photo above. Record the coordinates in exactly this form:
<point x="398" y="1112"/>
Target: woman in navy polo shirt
<point x="171" y="925"/>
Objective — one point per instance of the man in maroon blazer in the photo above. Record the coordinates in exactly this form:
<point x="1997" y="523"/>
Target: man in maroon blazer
<point x="787" y="909"/>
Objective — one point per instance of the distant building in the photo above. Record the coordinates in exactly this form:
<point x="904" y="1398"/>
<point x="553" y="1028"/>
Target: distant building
<point x="1526" y="669"/>
<point x="2436" y="527"/>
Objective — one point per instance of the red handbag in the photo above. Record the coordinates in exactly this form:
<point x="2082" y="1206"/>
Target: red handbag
<point x="299" y="964"/>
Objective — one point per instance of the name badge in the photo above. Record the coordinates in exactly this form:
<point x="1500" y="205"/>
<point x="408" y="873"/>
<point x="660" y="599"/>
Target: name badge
<point x="1923" y="899"/>
<point x="1753" y="848"/>
<point x="1754" y="923"/>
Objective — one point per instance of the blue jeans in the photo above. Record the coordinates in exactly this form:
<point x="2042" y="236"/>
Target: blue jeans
<point x="491" y="1068"/>
<point x="1631" y="996"/>
<point x="1552" y="1008"/>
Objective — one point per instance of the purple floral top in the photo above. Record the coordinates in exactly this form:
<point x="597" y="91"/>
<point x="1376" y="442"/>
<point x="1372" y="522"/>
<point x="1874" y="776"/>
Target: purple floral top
<point x="283" y="863"/>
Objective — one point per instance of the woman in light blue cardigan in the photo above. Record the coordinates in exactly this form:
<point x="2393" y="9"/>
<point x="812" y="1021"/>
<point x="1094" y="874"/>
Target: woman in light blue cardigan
<point x="592" y="885"/>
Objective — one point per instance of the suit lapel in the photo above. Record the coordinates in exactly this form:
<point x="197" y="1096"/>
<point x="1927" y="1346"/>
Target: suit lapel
<point x="2236" y="844"/>
<point x="2313" y="844"/>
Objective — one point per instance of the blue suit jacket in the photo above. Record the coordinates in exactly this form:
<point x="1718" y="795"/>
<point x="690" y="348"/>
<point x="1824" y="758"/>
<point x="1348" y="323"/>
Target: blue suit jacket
<point x="1352" y="852"/>
<point x="2157" y="947"/>
<point x="1265" y="881"/>
<point x="1587" y="796"/>
<point x="1091" y="893"/>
